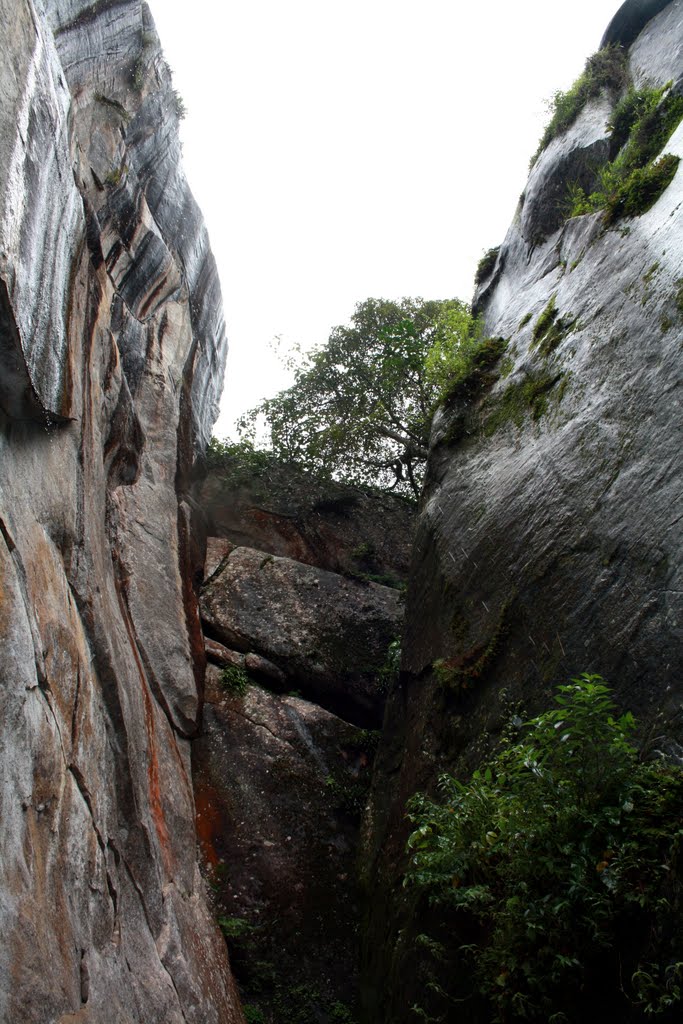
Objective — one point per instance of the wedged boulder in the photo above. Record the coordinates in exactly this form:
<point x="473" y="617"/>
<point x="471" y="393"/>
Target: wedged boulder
<point x="280" y="784"/>
<point x="327" y="633"/>
<point x="281" y="509"/>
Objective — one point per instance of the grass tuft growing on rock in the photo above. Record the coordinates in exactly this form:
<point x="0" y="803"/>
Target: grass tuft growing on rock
<point x="234" y="680"/>
<point x="550" y="329"/>
<point x="605" y="70"/>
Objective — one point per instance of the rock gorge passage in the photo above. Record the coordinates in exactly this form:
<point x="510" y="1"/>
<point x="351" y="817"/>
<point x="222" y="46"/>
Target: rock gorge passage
<point x="547" y="543"/>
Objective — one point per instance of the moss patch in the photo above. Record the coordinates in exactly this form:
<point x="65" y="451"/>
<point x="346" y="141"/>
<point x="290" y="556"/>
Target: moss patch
<point x="550" y="329"/>
<point x="460" y="673"/>
<point x="521" y="399"/>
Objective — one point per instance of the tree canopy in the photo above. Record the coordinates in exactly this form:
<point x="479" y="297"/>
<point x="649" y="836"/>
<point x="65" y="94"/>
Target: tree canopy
<point x="361" y="406"/>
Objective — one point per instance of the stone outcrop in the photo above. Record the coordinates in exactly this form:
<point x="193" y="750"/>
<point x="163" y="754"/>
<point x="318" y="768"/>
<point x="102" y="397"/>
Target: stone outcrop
<point x="295" y="693"/>
<point x="549" y="541"/>
<point x="111" y="355"/>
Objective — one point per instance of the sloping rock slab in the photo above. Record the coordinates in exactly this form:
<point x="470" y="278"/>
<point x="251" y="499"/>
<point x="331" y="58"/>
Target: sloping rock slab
<point x="327" y="633"/>
<point x="280" y="784"/>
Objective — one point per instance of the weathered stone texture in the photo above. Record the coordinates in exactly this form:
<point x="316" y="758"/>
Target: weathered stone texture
<point x="110" y="325"/>
<point x="549" y="542"/>
<point x="327" y="634"/>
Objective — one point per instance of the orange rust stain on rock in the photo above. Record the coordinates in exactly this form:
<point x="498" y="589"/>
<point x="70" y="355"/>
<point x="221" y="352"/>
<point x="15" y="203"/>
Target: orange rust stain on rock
<point x="154" y="785"/>
<point x="156" y="807"/>
<point x="208" y="823"/>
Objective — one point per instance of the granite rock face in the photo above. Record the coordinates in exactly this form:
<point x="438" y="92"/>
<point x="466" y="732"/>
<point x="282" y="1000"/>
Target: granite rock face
<point x="549" y="541"/>
<point x="111" y="352"/>
<point x="327" y="634"/>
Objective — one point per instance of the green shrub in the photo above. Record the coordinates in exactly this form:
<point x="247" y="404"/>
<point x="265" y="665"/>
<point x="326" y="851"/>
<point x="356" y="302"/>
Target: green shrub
<point x="252" y="1014"/>
<point x="234" y="680"/>
<point x="606" y="69"/>
<point x="642" y="189"/>
<point x="389" y="672"/>
<point x="641" y="125"/>
<point x="562" y="861"/>
<point x="486" y="265"/>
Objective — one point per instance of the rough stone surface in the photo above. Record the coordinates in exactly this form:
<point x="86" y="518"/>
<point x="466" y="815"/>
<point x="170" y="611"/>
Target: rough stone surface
<point x="111" y="346"/>
<point x="549" y="541"/>
<point x="329" y="635"/>
<point x="284" y="511"/>
<point x="280" y="784"/>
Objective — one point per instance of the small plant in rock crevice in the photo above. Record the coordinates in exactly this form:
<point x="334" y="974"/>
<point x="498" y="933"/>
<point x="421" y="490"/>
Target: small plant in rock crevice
<point x="486" y="265"/>
<point x="551" y="329"/>
<point x="234" y="680"/>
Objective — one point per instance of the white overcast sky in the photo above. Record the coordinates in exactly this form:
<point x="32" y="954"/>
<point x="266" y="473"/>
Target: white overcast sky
<point x="342" y="150"/>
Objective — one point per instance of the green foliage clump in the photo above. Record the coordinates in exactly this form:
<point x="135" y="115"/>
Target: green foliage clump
<point x="234" y="680"/>
<point x="605" y="70"/>
<point x="561" y="861"/>
<point x="679" y="295"/>
<point x="486" y="264"/>
<point x="468" y="368"/>
<point x="361" y="406"/>
<point x="631" y="183"/>
<point x="252" y="1014"/>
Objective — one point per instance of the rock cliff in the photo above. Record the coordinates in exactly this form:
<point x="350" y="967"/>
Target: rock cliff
<point x="549" y="541"/>
<point x="111" y="355"/>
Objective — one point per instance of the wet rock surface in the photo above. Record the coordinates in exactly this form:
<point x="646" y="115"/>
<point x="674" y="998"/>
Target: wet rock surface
<point x="549" y="541"/>
<point x="110" y="328"/>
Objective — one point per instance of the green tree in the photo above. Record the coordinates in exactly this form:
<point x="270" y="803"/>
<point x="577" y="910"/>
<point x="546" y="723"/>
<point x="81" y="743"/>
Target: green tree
<point x="361" y="406"/>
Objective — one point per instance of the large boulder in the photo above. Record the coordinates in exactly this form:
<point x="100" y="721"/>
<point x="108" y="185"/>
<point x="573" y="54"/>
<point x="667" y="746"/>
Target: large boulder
<point x="327" y="633"/>
<point x="281" y="509"/>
